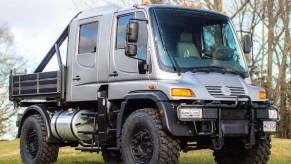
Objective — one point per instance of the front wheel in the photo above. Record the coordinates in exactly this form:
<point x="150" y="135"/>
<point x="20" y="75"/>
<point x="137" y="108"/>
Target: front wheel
<point x="236" y="153"/>
<point x="33" y="147"/>
<point x="144" y="140"/>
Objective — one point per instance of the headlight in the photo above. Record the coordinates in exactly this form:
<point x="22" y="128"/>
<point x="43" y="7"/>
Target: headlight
<point x="273" y="114"/>
<point x="186" y="113"/>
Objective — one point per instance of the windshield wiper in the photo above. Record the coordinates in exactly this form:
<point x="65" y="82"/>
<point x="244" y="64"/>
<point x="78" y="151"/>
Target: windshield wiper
<point x="172" y="58"/>
<point x="221" y="68"/>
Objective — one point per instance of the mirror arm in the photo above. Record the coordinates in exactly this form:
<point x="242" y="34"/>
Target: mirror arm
<point x="146" y="64"/>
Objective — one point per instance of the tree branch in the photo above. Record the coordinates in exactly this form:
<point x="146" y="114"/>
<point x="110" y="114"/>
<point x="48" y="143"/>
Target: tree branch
<point x="242" y="6"/>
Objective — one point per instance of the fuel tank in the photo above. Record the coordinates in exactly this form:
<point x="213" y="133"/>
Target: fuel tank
<point x="69" y="125"/>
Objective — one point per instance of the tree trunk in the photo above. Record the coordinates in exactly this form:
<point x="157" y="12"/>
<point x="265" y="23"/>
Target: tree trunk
<point x="217" y="6"/>
<point x="270" y="51"/>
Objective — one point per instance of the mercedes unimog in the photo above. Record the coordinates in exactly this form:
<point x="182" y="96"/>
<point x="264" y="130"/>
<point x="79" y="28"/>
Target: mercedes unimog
<point x="142" y="84"/>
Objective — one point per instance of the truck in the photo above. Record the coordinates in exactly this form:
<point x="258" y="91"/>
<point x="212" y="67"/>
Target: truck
<point x="142" y="84"/>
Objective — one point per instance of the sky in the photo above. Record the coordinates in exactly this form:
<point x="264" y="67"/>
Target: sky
<point x="36" y="24"/>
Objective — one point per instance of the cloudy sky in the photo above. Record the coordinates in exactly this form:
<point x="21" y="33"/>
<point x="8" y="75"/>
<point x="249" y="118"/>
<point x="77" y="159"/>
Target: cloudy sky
<point x="36" y="24"/>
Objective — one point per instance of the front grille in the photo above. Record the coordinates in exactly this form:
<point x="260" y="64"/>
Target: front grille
<point x="216" y="91"/>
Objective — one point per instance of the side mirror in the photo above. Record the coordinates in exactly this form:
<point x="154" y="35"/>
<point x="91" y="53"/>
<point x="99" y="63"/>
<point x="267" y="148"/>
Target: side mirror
<point x="130" y="50"/>
<point x="247" y="44"/>
<point x="132" y="32"/>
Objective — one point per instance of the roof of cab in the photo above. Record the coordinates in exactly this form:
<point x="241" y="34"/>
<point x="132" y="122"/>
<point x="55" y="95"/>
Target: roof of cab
<point x="115" y="8"/>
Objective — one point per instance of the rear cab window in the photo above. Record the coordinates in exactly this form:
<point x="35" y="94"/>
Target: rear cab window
<point x="88" y="38"/>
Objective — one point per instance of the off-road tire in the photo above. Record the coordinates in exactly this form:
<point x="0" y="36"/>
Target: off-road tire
<point x="45" y="152"/>
<point x="238" y="154"/>
<point x="165" y="149"/>
<point x="111" y="156"/>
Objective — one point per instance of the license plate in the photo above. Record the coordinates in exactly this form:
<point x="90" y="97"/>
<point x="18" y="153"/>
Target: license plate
<point x="269" y="126"/>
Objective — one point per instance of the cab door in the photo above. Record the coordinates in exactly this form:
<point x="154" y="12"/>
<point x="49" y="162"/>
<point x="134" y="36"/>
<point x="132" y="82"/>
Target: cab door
<point x="84" y="70"/>
<point x="124" y="68"/>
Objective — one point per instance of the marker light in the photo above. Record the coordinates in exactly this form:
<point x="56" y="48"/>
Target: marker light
<point x="145" y="3"/>
<point x="224" y="12"/>
<point x="196" y="5"/>
<point x="262" y="95"/>
<point x="151" y="86"/>
<point x="185" y="4"/>
<point x="182" y="92"/>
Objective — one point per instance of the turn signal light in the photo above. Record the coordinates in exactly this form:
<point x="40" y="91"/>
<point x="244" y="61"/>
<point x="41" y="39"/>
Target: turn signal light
<point x="183" y="92"/>
<point x="262" y="95"/>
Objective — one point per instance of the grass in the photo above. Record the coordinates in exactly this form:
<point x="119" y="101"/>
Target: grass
<point x="9" y="153"/>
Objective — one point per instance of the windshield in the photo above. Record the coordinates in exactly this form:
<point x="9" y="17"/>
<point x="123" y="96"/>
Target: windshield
<point x="196" y="41"/>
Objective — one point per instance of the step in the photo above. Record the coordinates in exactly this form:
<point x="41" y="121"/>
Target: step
<point x="88" y="149"/>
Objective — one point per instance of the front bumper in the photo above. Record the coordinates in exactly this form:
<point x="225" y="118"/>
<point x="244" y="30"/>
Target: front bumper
<point x="239" y="117"/>
<point x="231" y="121"/>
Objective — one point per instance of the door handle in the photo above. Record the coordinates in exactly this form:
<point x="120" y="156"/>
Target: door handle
<point x="77" y="78"/>
<point x="114" y="73"/>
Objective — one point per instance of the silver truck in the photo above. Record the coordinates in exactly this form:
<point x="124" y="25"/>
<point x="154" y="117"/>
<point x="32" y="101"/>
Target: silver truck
<point x="142" y="84"/>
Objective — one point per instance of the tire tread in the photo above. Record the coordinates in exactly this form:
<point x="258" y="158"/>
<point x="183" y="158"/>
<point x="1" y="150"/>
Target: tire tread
<point x="49" y="152"/>
<point x="169" y="145"/>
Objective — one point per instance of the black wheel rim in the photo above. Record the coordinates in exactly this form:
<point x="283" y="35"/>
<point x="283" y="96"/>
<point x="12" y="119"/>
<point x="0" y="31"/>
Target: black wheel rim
<point x="31" y="143"/>
<point x="141" y="146"/>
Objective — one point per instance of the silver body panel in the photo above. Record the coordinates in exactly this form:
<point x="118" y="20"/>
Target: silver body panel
<point x="107" y="60"/>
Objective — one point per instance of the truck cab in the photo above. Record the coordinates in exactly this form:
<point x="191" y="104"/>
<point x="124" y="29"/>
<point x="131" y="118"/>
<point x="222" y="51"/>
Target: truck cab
<point x="142" y="84"/>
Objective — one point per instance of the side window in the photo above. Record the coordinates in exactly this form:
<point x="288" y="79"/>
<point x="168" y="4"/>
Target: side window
<point x="121" y="30"/>
<point x="88" y="38"/>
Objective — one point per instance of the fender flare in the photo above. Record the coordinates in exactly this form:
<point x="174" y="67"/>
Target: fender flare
<point x="169" y="118"/>
<point x="36" y="109"/>
<point x="155" y="96"/>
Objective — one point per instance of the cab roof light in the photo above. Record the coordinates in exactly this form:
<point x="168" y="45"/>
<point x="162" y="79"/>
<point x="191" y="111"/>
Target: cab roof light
<point x="224" y="12"/>
<point x="145" y="3"/>
<point x="194" y="5"/>
<point x="185" y="4"/>
<point x="182" y="92"/>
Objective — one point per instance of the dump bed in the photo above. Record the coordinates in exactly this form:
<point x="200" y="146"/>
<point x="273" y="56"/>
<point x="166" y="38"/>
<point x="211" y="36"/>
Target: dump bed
<point x="36" y="85"/>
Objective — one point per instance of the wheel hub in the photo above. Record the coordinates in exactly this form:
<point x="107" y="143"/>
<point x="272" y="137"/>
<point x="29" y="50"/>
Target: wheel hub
<point x="142" y="146"/>
<point x="31" y="143"/>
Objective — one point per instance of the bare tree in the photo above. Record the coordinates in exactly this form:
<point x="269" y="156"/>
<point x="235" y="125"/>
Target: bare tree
<point x="7" y="61"/>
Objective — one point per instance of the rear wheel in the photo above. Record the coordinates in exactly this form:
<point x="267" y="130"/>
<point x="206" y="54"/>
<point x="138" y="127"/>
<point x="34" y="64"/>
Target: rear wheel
<point x="236" y="153"/>
<point x="144" y="140"/>
<point x="33" y="147"/>
<point x="111" y="156"/>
